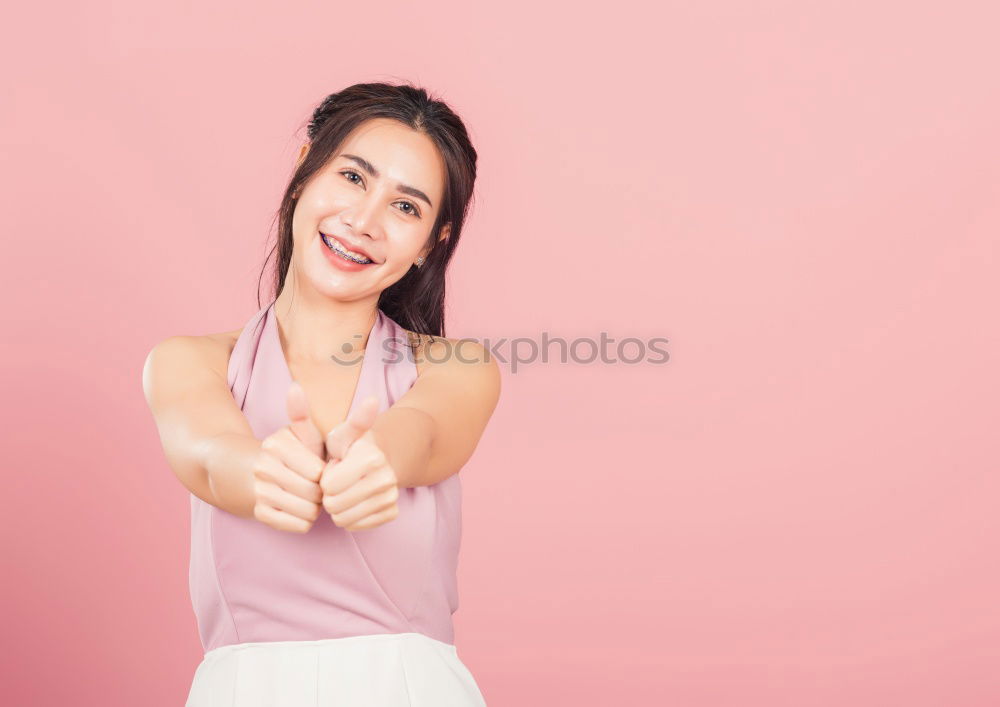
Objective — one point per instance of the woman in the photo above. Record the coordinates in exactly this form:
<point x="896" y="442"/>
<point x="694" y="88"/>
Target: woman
<point x="321" y="443"/>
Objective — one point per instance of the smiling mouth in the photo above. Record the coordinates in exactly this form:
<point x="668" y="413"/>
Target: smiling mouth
<point x="335" y="246"/>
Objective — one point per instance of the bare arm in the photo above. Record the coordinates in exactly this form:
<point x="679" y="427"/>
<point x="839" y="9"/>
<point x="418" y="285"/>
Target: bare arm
<point x="433" y="429"/>
<point x="206" y="439"/>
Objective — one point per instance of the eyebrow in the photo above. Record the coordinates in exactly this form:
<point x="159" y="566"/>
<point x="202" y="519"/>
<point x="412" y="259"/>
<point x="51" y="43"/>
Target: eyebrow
<point x="405" y="188"/>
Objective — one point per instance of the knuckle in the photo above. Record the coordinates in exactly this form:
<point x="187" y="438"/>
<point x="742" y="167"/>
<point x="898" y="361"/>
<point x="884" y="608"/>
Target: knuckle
<point x="380" y="481"/>
<point x="259" y="462"/>
<point x="269" y="443"/>
<point x="314" y="470"/>
<point x="388" y="478"/>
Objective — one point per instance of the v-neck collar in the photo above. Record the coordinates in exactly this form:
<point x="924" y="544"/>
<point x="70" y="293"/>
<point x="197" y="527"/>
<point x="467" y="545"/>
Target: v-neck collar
<point x="368" y="360"/>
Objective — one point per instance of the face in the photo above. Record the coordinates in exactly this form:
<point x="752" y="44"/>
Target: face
<point x="378" y="195"/>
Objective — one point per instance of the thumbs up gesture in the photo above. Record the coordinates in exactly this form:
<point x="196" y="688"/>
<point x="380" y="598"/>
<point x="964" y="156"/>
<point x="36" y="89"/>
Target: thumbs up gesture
<point x="287" y="470"/>
<point x="359" y="487"/>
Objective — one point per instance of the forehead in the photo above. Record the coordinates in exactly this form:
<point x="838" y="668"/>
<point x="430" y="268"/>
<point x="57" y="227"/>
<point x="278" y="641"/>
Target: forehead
<point x="399" y="153"/>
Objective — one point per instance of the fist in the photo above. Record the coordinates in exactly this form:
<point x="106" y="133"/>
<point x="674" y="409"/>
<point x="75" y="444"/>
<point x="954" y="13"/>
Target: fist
<point x="359" y="488"/>
<point x="287" y="470"/>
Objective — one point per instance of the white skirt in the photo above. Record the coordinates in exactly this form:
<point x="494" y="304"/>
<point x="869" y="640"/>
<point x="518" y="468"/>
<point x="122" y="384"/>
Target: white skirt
<point x="378" y="670"/>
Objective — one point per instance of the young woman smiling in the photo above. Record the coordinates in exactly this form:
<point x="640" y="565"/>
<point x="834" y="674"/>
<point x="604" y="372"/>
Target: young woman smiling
<point x="321" y="442"/>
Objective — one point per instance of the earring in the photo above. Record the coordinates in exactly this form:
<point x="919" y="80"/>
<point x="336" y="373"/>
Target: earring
<point x="420" y="261"/>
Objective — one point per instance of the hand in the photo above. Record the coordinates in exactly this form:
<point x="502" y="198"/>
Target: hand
<point x="287" y="470"/>
<point x="360" y="489"/>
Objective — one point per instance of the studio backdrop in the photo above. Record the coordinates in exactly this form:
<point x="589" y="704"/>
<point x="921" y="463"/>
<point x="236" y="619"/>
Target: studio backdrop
<point x="737" y="264"/>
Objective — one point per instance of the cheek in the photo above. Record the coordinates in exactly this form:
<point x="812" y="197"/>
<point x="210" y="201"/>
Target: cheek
<point x="405" y="243"/>
<point x="301" y="217"/>
<point x="319" y="200"/>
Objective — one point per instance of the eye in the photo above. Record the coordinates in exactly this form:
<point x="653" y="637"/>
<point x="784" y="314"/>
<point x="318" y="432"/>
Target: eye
<point x="348" y="173"/>
<point x="415" y="211"/>
<point x="351" y="171"/>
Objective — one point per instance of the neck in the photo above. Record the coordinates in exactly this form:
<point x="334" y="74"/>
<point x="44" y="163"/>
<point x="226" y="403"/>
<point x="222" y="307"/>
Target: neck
<point x="313" y="326"/>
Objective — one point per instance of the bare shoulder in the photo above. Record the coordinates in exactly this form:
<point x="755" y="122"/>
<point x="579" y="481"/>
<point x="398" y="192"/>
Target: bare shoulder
<point x="225" y="339"/>
<point x="452" y="355"/>
<point x="458" y="387"/>
<point x="184" y="356"/>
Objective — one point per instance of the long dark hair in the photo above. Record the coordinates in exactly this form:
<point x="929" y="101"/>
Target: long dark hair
<point x="416" y="301"/>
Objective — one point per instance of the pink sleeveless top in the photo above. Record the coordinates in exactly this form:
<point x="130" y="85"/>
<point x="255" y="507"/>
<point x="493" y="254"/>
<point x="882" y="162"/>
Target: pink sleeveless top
<point x="250" y="582"/>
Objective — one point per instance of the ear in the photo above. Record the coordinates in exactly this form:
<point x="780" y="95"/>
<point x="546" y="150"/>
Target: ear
<point x="445" y="232"/>
<point x="302" y="154"/>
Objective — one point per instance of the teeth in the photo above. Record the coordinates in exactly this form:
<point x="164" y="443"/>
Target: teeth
<point x="335" y="245"/>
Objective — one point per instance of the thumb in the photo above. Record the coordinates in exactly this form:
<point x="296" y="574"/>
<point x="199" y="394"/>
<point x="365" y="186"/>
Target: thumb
<point x="342" y="436"/>
<point x="302" y="425"/>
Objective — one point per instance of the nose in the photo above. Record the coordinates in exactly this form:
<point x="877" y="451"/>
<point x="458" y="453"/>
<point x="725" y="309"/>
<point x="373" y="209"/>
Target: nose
<point x="362" y="215"/>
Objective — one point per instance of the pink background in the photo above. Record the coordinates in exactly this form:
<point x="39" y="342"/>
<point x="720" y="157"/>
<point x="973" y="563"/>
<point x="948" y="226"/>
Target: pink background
<point x="800" y="508"/>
